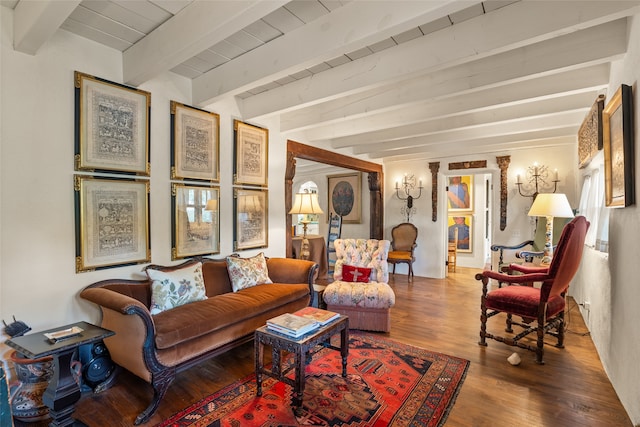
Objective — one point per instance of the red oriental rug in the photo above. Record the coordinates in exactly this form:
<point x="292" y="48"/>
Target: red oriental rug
<point x="388" y="384"/>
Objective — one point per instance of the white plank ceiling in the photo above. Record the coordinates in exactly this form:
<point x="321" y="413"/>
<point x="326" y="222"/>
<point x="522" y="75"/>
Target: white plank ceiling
<point x="384" y="80"/>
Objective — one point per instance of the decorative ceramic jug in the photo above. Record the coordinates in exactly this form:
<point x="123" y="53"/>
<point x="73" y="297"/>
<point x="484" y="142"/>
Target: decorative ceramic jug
<point x="26" y="397"/>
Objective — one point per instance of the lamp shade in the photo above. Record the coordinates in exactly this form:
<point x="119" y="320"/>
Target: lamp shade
<point x="551" y="204"/>
<point x="306" y="203"/>
<point x="212" y="205"/>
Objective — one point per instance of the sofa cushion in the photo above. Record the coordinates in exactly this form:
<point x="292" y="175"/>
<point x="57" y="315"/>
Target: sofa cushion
<point x="247" y="272"/>
<point x="170" y="289"/>
<point x="351" y="273"/>
<point x="190" y="321"/>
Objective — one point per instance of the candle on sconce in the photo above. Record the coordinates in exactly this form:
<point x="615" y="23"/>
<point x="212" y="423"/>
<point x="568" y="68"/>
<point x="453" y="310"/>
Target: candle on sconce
<point x="556" y="175"/>
<point x="420" y="183"/>
<point x="535" y="168"/>
<point x="518" y="179"/>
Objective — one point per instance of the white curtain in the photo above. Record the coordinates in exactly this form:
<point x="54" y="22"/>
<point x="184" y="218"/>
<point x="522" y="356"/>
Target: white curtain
<point x="593" y="208"/>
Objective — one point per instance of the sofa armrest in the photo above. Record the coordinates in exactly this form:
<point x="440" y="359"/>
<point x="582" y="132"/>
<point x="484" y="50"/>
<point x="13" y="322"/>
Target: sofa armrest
<point x="291" y="270"/>
<point x="133" y="345"/>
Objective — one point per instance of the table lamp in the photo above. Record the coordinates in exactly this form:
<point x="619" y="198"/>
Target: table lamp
<point x="303" y="204"/>
<point x="550" y="205"/>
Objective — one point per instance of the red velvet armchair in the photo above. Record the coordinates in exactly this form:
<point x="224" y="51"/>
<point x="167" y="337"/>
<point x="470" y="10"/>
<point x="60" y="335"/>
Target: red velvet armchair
<point x="542" y="309"/>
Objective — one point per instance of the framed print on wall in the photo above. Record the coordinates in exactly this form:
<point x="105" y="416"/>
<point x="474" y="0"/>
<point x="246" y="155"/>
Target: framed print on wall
<point x="590" y="134"/>
<point x="345" y="196"/>
<point x="250" y="209"/>
<point x="195" y="221"/>
<point x="464" y="224"/>
<point x="195" y="143"/>
<point x="112" y="125"/>
<point x="617" y="118"/>
<point x="112" y="222"/>
<point x="251" y="150"/>
<point x="460" y="193"/>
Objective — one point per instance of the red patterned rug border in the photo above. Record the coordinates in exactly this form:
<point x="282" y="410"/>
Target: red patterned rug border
<point x="416" y="412"/>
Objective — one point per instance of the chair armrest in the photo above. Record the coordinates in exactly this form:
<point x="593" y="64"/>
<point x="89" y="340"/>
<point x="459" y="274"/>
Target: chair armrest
<point x="496" y="248"/>
<point x="518" y="279"/>
<point x="527" y="269"/>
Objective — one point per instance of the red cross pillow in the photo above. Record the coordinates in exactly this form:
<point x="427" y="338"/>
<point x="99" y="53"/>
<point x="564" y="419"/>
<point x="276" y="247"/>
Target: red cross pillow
<point x="352" y="273"/>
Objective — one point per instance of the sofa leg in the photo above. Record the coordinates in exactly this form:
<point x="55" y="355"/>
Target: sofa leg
<point x="160" y="383"/>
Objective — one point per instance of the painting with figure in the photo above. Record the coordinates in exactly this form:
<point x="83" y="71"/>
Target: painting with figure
<point x="460" y="193"/>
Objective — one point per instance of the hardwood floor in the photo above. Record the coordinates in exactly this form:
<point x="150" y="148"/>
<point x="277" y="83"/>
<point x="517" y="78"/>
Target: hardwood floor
<point x="571" y="389"/>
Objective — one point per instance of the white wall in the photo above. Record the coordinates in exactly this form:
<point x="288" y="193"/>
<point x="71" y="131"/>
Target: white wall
<point x="38" y="282"/>
<point x="431" y="250"/>
<point x="610" y="283"/>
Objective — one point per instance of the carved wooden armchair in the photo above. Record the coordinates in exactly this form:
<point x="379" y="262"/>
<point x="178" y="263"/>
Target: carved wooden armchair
<point x="542" y="309"/>
<point x="529" y="250"/>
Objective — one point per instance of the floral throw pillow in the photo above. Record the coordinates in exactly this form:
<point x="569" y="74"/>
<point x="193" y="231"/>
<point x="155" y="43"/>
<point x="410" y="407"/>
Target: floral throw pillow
<point x="352" y="273"/>
<point x="247" y="272"/>
<point x="170" y="289"/>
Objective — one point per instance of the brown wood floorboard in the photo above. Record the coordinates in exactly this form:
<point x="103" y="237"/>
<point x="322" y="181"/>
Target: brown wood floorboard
<point x="571" y="389"/>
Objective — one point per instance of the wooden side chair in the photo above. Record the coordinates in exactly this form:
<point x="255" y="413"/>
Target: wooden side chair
<point x="403" y="243"/>
<point x="541" y="309"/>
<point x="452" y="252"/>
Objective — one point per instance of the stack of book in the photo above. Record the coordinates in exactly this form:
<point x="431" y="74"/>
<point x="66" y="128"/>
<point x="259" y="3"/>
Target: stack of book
<point x="301" y="322"/>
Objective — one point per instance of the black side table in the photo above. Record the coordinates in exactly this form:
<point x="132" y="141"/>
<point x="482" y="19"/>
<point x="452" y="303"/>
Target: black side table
<point x="63" y="391"/>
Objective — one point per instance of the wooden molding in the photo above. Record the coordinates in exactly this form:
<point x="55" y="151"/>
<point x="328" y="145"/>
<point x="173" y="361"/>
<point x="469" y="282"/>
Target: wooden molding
<point x="503" y="163"/>
<point x="473" y="164"/>
<point x="434" y="167"/>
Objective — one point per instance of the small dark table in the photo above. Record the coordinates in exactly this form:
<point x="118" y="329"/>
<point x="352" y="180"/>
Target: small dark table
<point x="301" y="348"/>
<point x="63" y="391"/>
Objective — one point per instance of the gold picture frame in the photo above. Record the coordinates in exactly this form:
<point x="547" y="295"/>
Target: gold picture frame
<point x="195" y="230"/>
<point x="195" y="143"/>
<point x="251" y="211"/>
<point x="112" y="222"/>
<point x="112" y="125"/>
<point x="251" y="151"/>
<point x="460" y="193"/>
<point x="344" y="197"/>
<point x="617" y="118"/>
<point x="464" y="224"/>
<point x="590" y="134"/>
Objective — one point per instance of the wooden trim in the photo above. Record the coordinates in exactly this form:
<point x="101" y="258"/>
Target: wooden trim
<point x="375" y="181"/>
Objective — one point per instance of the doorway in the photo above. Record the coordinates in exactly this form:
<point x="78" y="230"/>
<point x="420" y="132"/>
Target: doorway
<point x="467" y="208"/>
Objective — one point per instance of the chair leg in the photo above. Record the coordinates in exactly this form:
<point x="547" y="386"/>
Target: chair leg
<point x="483" y="311"/>
<point x="560" y="331"/>
<point x="509" y="323"/>
<point x="540" y="346"/>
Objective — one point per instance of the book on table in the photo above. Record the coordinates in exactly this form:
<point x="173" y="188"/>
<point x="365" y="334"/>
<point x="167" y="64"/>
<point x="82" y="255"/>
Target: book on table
<point x="292" y="325"/>
<point x="319" y="315"/>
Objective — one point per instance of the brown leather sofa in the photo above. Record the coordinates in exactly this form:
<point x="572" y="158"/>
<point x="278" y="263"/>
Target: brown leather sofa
<point x="156" y="347"/>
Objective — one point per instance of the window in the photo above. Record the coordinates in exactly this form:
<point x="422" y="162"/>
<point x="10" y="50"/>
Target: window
<point x="592" y="205"/>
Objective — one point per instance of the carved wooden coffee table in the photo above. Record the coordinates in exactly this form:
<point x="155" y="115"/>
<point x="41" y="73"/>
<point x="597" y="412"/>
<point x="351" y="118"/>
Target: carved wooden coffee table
<point x="301" y="348"/>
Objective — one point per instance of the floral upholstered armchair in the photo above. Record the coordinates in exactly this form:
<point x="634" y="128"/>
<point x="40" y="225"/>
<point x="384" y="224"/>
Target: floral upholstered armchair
<point x="360" y="288"/>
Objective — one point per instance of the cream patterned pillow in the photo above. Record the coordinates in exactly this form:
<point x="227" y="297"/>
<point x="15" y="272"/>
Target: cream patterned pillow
<point x="247" y="272"/>
<point x="170" y="289"/>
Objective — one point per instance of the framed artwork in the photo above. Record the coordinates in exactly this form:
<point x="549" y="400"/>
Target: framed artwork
<point x="195" y="222"/>
<point x="464" y="224"/>
<point x="460" y="193"/>
<point x="195" y="143"/>
<point x="251" y="211"/>
<point x="617" y="118"/>
<point x="251" y="154"/>
<point x="112" y="222"/>
<point x="345" y="196"/>
<point x="590" y="134"/>
<point x="112" y="123"/>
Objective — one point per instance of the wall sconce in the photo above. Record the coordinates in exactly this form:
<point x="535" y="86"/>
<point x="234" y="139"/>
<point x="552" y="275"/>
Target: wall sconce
<point x="536" y="177"/>
<point x="408" y="184"/>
